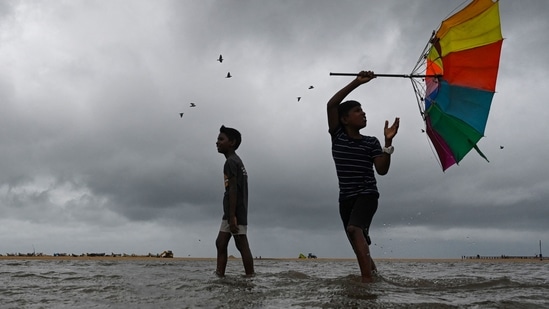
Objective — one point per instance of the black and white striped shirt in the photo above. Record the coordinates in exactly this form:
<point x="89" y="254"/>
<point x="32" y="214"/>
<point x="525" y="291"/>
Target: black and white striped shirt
<point x="354" y="160"/>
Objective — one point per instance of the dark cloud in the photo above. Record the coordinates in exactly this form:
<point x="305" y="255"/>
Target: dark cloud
<point x="95" y="155"/>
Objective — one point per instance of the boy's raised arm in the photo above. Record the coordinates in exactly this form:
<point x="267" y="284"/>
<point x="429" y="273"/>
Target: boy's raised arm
<point x="333" y="103"/>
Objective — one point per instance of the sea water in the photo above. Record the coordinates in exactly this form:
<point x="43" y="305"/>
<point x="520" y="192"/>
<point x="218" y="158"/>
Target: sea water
<point x="166" y="283"/>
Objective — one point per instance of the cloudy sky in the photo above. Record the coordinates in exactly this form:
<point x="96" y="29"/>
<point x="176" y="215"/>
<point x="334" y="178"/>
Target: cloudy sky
<point x="96" y="158"/>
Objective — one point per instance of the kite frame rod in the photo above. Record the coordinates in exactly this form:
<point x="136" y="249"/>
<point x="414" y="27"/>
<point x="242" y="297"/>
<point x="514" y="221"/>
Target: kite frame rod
<point x="387" y="75"/>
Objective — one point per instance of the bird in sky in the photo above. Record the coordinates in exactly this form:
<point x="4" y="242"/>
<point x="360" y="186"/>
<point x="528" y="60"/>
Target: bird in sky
<point x="220" y="59"/>
<point x="193" y="105"/>
<point x="298" y="98"/>
<point x="228" y="75"/>
<point x="181" y="115"/>
<point x="500" y="147"/>
<point x="311" y="87"/>
<point x="422" y="131"/>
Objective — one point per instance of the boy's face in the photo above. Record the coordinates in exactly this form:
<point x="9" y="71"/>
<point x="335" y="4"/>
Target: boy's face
<point x="224" y="145"/>
<point x="355" y="118"/>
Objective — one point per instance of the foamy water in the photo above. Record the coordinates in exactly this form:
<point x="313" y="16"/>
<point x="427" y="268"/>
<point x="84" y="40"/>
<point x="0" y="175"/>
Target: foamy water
<point x="278" y="284"/>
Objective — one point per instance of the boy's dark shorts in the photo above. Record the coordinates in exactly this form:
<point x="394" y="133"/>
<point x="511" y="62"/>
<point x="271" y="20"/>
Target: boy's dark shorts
<point x="359" y="211"/>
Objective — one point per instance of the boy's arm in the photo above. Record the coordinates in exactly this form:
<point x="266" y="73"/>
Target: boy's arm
<point x="333" y="103"/>
<point x="383" y="162"/>
<point x="233" y="196"/>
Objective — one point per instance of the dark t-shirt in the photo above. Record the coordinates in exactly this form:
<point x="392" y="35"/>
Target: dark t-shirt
<point x="235" y="168"/>
<point x="354" y="160"/>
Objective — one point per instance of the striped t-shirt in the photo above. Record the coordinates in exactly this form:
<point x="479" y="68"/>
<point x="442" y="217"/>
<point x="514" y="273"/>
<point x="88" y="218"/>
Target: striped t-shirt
<point x="354" y="160"/>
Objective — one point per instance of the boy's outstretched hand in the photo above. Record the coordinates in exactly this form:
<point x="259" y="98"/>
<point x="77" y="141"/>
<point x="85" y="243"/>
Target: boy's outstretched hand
<point x="390" y="132"/>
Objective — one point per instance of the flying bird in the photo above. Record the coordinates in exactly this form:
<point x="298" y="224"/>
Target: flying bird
<point x="193" y="105"/>
<point x="228" y="75"/>
<point x="500" y="147"/>
<point x="181" y="115"/>
<point x="220" y="59"/>
<point x="298" y="98"/>
<point x="311" y="87"/>
<point x="422" y="131"/>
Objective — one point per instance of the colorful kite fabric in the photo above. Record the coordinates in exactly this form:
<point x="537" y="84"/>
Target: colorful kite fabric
<point x="464" y="57"/>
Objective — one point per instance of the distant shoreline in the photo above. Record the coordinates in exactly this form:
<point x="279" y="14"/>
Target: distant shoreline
<point x="393" y="260"/>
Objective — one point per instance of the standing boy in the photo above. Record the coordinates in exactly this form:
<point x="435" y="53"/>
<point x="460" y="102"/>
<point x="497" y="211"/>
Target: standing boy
<point x="355" y="157"/>
<point x="235" y="203"/>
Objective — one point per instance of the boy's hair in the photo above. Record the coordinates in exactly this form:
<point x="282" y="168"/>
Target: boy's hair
<point x="344" y="108"/>
<point x="232" y="134"/>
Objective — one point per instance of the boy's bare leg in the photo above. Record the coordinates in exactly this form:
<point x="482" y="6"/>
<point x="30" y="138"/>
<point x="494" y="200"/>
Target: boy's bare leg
<point x="243" y="246"/>
<point x="221" y="243"/>
<point x="362" y="252"/>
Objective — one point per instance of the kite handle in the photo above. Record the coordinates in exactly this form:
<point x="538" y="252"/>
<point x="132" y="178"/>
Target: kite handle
<point x="387" y="75"/>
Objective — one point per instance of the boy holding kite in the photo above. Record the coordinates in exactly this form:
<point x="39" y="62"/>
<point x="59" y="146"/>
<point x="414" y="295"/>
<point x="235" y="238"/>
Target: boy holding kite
<point x="355" y="156"/>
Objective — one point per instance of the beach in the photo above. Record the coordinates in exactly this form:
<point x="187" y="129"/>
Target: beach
<point x="175" y="258"/>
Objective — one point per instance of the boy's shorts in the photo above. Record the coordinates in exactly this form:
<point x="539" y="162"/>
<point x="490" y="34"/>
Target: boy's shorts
<point x="359" y="211"/>
<point x="226" y="228"/>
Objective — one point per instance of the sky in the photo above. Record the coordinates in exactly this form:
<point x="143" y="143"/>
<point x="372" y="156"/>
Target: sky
<point x="95" y="156"/>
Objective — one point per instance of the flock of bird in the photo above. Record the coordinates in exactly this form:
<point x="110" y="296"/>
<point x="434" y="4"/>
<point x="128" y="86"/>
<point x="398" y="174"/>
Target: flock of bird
<point x="220" y="59"/>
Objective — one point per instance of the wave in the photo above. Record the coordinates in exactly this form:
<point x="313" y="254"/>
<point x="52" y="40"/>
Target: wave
<point x="139" y="284"/>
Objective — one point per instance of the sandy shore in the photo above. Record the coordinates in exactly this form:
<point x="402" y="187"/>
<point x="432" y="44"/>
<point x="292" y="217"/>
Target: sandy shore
<point x="394" y="260"/>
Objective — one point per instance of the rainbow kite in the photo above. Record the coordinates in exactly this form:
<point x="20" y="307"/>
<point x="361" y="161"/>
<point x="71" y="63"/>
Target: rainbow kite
<point x="460" y="67"/>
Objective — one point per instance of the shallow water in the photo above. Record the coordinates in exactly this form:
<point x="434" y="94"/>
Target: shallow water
<point x="277" y="284"/>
